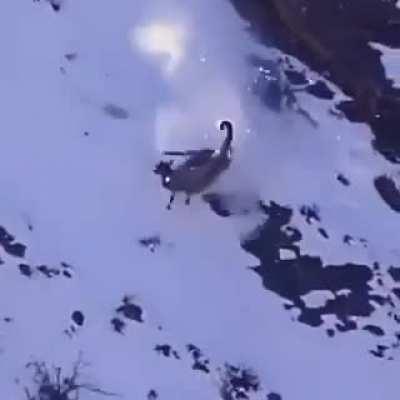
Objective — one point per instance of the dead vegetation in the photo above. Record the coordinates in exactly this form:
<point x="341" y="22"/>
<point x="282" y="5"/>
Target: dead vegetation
<point x="54" y="384"/>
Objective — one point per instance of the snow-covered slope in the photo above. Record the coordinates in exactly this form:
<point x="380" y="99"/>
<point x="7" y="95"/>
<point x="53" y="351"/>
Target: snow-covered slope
<point x="162" y="304"/>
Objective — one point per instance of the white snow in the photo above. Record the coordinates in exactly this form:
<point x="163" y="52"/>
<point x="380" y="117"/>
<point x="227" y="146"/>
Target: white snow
<point x="391" y="61"/>
<point x="90" y="198"/>
<point x="161" y="38"/>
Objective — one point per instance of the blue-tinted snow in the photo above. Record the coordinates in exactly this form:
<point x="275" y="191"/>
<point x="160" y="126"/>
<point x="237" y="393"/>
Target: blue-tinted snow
<point x="89" y="199"/>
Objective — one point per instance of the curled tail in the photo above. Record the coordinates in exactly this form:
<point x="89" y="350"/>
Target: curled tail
<point x="228" y="128"/>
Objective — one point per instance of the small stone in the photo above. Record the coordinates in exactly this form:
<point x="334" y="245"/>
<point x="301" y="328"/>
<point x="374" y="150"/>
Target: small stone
<point x="16" y="250"/>
<point x="118" y="325"/>
<point x="274" y="396"/>
<point x="130" y="310"/>
<point x="71" y="56"/>
<point x="152" y="395"/>
<point x="25" y="269"/>
<point x="78" y="317"/>
<point x="343" y="180"/>
<point x="323" y="233"/>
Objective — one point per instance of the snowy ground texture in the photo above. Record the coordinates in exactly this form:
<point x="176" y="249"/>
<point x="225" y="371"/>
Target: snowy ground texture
<point x="285" y="291"/>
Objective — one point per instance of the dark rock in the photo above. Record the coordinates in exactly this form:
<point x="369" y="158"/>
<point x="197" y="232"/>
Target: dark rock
<point x="238" y="383"/>
<point x="388" y="191"/>
<point x="320" y="90"/>
<point x="330" y="332"/>
<point x="25" y="269"/>
<point x="343" y="180"/>
<point x="375" y="330"/>
<point x="291" y="279"/>
<point x="166" y="350"/>
<point x="346" y="326"/>
<point x="66" y="269"/>
<point x="200" y="362"/>
<point x="310" y="213"/>
<point x="115" y="111"/>
<point x="394" y="273"/>
<point x="47" y="271"/>
<point x="130" y="311"/>
<point x="323" y="233"/>
<point x="334" y="39"/>
<point x="151" y="242"/>
<point x="71" y="56"/>
<point x="396" y="292"/>
<point x="66" y="265"/>
<point x="152" y="395"/>
<point x="118" y="325"/>
<point x="274" y="396"/>
<point x="296" y="78"/>
<point x="378" y="299"/>
<point x="16" y="250"/>
<point x="376" y="266"/>
<point x="347" y="239"/>
<point x="67" y="274"/>
<point x="13" y="249"/>
<point x="380" y="351"/>
<point x="55" y="5"/>
<point x="349" y="109"/>
<point x="5" y="236"/>
<point x="78" y="317"/>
